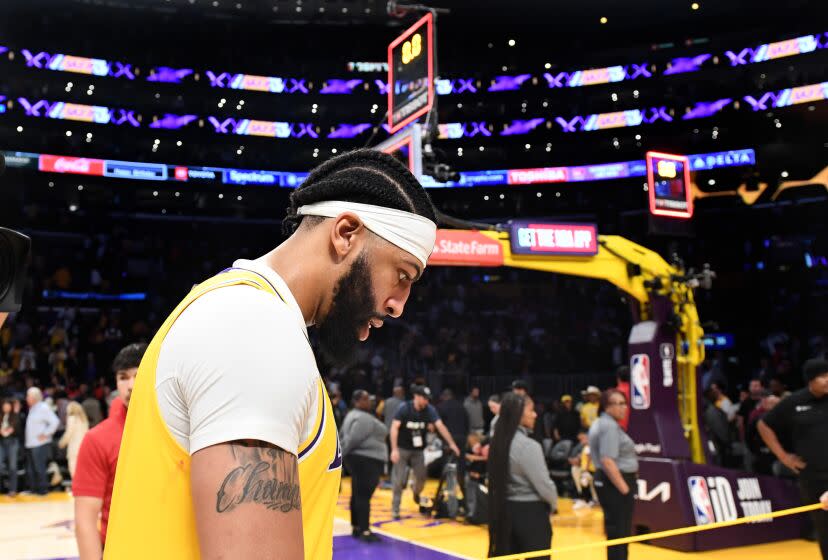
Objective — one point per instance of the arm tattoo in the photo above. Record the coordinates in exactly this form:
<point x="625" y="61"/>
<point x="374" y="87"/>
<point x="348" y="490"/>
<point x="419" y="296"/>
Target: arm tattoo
<point x="265" y="475"/>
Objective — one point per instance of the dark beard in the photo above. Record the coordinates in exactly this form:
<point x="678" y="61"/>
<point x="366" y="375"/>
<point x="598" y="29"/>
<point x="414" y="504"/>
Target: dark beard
<point x="352" y="307"/>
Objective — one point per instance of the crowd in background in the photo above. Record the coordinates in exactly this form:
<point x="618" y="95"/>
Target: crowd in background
<point x="462" y="328"/>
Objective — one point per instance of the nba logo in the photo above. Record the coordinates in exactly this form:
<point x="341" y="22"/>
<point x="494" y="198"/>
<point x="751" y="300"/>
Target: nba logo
<point x="700" y="500"/>
<point x="640" y="381"/>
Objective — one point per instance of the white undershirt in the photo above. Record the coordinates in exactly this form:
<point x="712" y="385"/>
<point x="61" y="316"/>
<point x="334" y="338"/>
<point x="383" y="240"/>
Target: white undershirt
<point x="237" y="364"/>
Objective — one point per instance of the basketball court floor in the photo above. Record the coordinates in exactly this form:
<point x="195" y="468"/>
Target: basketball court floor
<point x="41" y="528"/>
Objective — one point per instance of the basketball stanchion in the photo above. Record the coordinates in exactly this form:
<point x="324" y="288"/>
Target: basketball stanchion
<point x="661" y="534"/>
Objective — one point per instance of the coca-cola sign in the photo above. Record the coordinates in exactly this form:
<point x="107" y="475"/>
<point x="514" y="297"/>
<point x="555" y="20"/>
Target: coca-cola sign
<point x="74" y="165"/>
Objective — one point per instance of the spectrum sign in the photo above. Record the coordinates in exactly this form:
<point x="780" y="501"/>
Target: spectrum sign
<point x="538" y="238"/>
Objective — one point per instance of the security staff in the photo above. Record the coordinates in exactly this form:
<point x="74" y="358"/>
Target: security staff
<point x="613" y="453"/>
<point x="801" y="419"/>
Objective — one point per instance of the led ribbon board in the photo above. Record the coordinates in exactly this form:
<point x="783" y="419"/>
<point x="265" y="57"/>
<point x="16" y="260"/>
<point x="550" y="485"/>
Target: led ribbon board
<point x="596" y="76"/>
<point x="490" y="177"/>
<point x="411" y="74"/>
<point x="668" y="180"/>
<point x="78" y="64"/>
<point x="530" y="237"/>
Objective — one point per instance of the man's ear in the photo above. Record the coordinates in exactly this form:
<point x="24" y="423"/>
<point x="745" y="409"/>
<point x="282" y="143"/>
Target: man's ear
<point x="347" y="234"/>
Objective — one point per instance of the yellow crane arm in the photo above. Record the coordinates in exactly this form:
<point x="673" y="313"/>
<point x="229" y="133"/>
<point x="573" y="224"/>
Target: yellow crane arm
<point x="641" y="273"/>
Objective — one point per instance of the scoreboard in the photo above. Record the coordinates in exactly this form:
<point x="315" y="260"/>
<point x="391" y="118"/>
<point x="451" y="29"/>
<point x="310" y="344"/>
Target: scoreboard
<point x="411" y="74"/>
<point x="668" y="182"/>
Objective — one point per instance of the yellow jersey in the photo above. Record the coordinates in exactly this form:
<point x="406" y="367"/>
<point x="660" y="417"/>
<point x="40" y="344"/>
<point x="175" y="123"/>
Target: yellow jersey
<point x="589" y="413"/>
<point x="152" y="514"/>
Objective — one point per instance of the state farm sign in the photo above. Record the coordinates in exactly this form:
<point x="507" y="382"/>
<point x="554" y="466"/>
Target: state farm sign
<point x="77" y="166"/>
<point x="465" y="248"/>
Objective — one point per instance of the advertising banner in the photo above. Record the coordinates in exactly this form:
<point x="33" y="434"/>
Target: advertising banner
<point x="465" y="248"/>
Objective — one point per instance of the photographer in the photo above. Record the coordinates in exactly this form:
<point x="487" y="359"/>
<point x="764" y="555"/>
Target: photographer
<point x="408" y="432"/>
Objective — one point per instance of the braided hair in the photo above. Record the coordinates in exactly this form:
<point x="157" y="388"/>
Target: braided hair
<point x="364" y="176"/>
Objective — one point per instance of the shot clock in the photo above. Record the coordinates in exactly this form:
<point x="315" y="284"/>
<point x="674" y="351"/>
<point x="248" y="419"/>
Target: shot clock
<point x="411" y="74"/>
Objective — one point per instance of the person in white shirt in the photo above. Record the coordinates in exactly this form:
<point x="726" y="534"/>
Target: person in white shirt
<point x="77" y="424"/>
<point x="41" y="425"/>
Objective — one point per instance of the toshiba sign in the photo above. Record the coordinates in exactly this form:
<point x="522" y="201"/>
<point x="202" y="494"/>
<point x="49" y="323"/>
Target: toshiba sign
<point x="533" y="238"/>
<point x="538" y="175"/>
<point x="465" y="248"/>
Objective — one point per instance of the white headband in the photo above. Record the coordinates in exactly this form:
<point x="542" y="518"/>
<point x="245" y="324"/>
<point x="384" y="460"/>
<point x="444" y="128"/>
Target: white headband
<point x="410" y="232"/>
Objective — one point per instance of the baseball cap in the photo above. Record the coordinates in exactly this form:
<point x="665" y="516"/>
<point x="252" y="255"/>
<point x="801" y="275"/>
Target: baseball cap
<point x="520" y="384"/>
<point x="566" y="398"/>
<point x="422" y="390"/>
<point x="593" y="390"/>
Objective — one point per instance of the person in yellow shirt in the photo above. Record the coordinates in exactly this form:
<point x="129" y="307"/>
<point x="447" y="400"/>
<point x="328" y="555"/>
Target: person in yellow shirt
<point x="589" y="410"/>
<point x="230" y="449"/>
<point x="583" y="472"/>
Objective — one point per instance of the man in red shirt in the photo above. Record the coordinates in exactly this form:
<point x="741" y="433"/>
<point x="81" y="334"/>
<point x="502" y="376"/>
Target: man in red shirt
<point x="98" y="457"/>
<point x="622" y="374"/>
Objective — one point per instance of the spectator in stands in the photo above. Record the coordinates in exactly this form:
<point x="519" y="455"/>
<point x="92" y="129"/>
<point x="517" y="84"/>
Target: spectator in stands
<point x="5" y="374"/>
<point x="10" y="429"/>
<point x="520" y="490"/>
<point x="747" y="406"/>
<point x="622" y="377"/>
<point x="41" y="425"/>
<point x="718" y="398"/>
<point x="474" y="410"/>
<point x="538" y="433"/>
<point x="568" y="422"/>
<point x="494" y="407"/>
<point x="762" y="457"/>
<point x="98" y="457"/>
<point x="22" y="415"/>
<point x="548" y="419"/>
<point x="477" y="453"/>
<point x="520" y="387"/>
<point x="393" y="403"/>
<point x="720" y="431"/>
<point x="76" y="427"/>
<point x="456" y="419"/>
<point x="92" y="407"/>
<point x="338" y="412"/>
<point x="454" y="415"/>
<point x="364" y="454"/>
<point x="778" y="387"/>
<point x="583" y="472"/>
<point x="589" y="411"/>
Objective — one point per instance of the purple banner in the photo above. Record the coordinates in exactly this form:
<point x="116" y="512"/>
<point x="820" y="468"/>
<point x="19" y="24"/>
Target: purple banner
<point x="655" y="425"/>
<point x="169" y="75"/>
<point x="672" y="494"/>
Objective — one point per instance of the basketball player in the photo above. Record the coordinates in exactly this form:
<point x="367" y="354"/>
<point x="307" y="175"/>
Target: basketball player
<point x="230" y="449"/>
